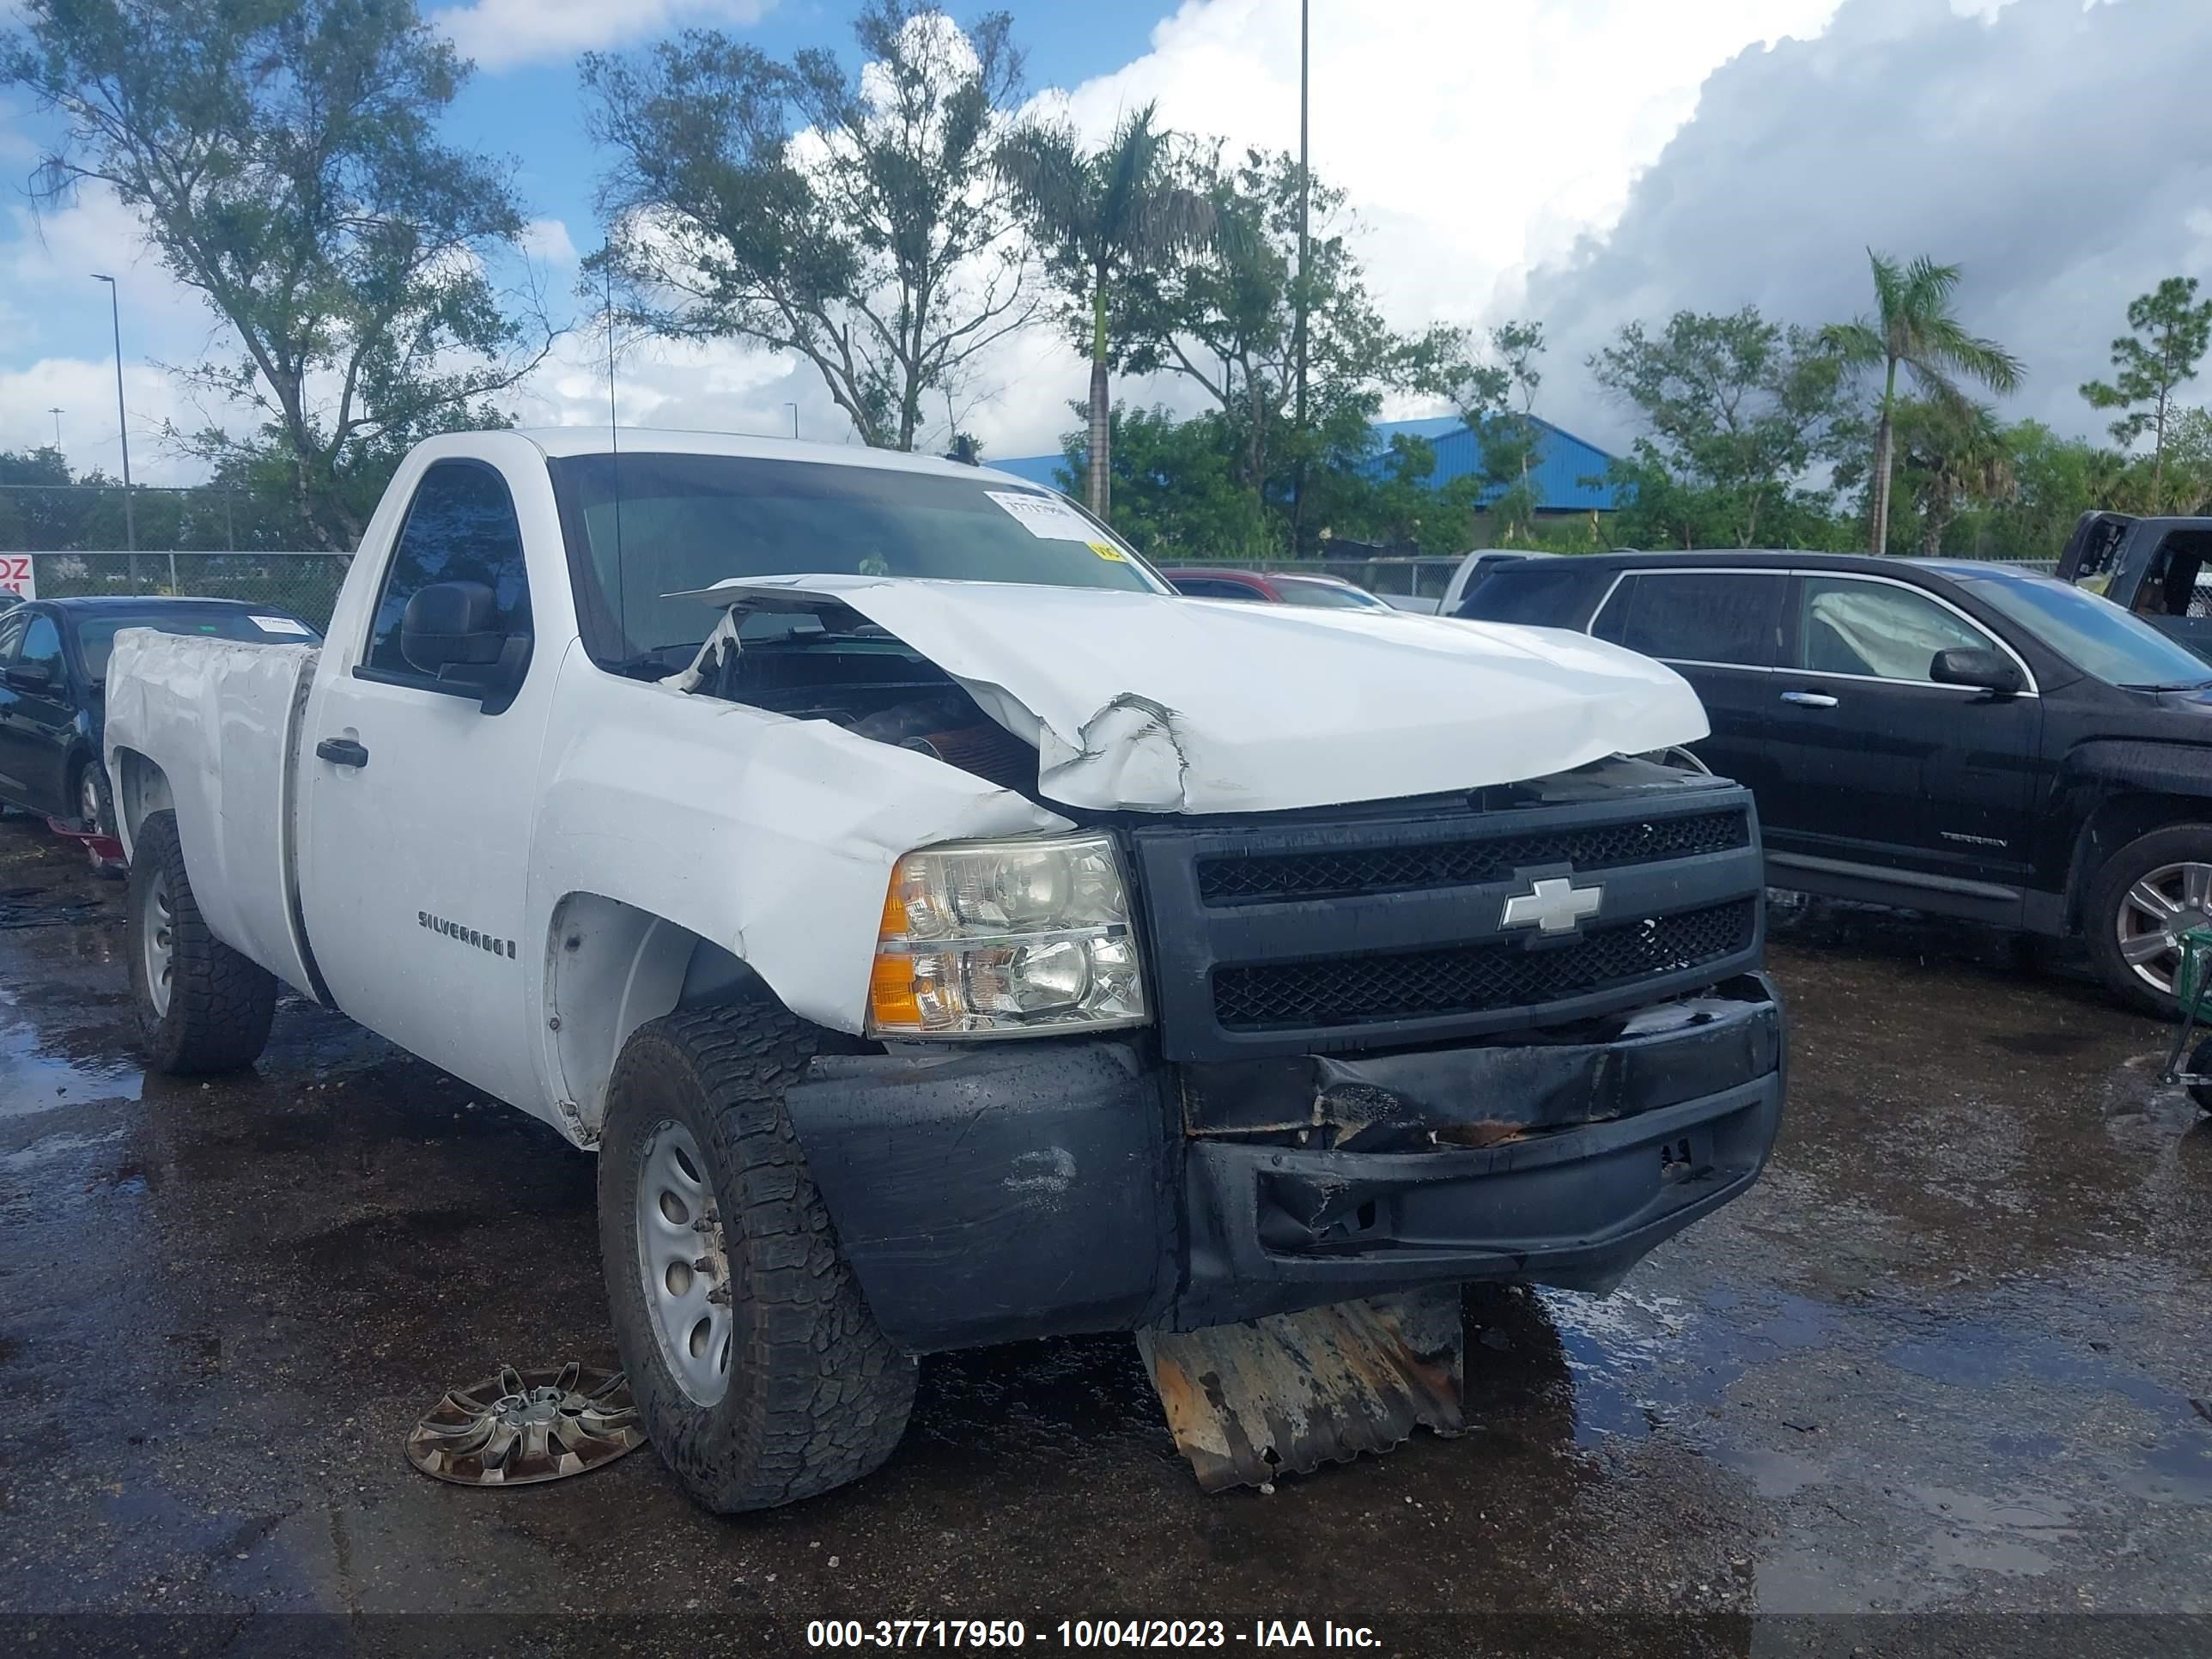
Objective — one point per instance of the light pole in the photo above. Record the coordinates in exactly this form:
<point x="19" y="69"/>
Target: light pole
<point x="793" y="408"/>
<point x="1305" y="194"/>
<point x="123" y="429"/>
<point x="56" y="411"/>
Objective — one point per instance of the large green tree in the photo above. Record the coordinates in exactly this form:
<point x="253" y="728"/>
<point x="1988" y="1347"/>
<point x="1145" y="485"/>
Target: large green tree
<point x="1175" y="494"/>
<point x="284" y="160"/>
<point x="1106" y="217"/>
<point x="848" y="213"/>
<point x="2172" y="329"/>
<point x="1953" y="457"/>
<point x="1740" y="415"/>
<point x="1224" y="318"/>
<point x="1913" y="328"/>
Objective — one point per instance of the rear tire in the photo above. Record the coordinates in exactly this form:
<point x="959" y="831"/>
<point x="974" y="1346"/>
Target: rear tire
<point x="787" y="1387"/>
<point x="2144" y="897"/>
<point x="202" y="1006"/>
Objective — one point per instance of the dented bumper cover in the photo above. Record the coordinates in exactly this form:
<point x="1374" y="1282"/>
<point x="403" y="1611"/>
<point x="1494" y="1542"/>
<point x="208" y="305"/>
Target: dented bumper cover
<point x="1003" y="1192"/>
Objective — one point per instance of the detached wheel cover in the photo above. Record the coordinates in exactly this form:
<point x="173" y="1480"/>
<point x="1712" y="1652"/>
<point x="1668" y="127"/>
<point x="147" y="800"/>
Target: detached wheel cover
<point x="518" y="1427"/>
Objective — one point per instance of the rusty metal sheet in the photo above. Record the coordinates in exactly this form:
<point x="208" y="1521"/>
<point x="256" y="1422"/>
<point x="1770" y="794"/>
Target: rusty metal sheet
<point x="1287" y="1393"/>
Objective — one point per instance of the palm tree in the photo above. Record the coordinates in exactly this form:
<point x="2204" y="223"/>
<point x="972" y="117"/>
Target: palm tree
<point x="1913" y="328"/>
<point x="1101" y="216"/>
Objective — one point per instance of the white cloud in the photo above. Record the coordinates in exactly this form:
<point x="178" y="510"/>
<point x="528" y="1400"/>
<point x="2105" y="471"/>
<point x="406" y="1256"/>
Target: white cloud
<point x="65" y="245"/>
<point x="548" y="239"/>
<point x="1474" y="139"/>
<point x="1918" y="126"/>
<point x="501" y="34"/>
<point x="84" y="389"/>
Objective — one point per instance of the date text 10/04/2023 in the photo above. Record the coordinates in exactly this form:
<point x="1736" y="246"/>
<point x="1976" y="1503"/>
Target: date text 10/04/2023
<point x="1086" y="1634"/>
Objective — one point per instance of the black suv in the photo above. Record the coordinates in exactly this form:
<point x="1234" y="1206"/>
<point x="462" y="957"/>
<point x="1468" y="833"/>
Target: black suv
<point x="1958" y="738"/>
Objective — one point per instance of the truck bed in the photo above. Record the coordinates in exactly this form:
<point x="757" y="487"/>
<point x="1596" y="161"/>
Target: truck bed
<point x="222" y="720"/>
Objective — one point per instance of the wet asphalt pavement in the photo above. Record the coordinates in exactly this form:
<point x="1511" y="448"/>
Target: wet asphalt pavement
<point x="1952" y="1356"/>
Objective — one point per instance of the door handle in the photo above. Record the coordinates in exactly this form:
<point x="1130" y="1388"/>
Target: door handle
<point x="1809" y="699"/>
<point x="344" y="751"/>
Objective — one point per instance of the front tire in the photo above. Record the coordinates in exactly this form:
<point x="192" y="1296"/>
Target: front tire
<point x="202" y="1006"/>
<point x="782" y="1386"/>
<point x="2146" y="895"/>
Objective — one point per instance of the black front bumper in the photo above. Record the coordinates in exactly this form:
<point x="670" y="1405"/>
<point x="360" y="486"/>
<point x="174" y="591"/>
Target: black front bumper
<point x="1042" y="1188"/>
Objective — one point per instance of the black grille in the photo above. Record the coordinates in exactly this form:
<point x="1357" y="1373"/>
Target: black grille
<point x="1353" y="990"/>
<point x="1465" y="863"/>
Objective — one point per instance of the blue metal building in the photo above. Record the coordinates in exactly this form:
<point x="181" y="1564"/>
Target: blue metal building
<point x="1563" y="462"/>
<point x="1570" y="472"/>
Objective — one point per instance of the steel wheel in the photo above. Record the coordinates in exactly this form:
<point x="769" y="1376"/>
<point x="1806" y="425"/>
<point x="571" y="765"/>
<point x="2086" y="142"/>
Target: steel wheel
<point x="2155" y="912"/>
<point x="157" y="935"/>
<point x="685" y="1266"/>
<point x="87" y="799"/>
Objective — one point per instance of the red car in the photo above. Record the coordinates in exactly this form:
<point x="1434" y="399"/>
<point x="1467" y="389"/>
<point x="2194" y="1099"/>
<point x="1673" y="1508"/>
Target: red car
<point x="1272" y="588"/>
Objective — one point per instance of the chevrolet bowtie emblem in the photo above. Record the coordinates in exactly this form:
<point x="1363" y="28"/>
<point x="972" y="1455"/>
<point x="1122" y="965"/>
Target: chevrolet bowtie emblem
<point x="1554" y="905"/>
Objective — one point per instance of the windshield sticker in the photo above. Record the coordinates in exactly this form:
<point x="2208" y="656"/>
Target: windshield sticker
<point x="1108" y="551"/>
<point x="280" y="625"/>
<point x="1044" y="517"/>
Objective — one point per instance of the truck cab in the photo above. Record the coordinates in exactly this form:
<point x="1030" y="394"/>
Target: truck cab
<point x="2159" y="569"/>
<point x="944" y="933"/>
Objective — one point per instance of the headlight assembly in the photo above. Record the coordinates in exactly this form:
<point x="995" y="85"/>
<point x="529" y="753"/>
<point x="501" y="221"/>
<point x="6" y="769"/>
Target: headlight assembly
<point x="1005" y="939"/>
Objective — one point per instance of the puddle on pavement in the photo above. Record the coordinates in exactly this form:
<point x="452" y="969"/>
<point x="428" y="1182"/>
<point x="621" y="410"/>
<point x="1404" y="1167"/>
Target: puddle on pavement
<point x="36" y="1075"/>
<point x="1643" y="1362"/>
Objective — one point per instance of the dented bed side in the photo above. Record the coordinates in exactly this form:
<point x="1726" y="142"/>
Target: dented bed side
<point x="221" y="720"/>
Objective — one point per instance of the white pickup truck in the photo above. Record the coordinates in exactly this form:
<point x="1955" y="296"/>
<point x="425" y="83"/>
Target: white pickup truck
<point x="945" y="933"/>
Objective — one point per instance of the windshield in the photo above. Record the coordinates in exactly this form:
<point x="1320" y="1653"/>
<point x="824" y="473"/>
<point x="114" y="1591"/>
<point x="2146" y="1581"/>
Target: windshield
<point x="95" y="635"/>
<point x="2095" y="634"/>
<point x="689" y="521"/>
<point x="1328" y="594"/>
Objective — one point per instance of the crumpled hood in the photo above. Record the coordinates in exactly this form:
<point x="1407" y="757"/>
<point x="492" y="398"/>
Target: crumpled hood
<point x="1155" y="702"/>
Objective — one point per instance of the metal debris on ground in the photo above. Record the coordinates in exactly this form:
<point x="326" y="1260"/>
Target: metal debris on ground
<point x="1286" y="1394"/>
<point x="521" y="1426"/>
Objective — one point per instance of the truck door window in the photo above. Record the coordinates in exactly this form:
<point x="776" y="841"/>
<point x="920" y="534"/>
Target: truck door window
<point x="2176" y="582"/>
<point x="11" y="636"/>
<point x="460" y="528"/>
<point x="1727" y="617"/>
<point x="1876" y="630"/>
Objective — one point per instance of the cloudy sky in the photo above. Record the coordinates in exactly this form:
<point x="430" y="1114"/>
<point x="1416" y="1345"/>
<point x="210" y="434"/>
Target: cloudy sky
<point x="1582" y="161"/>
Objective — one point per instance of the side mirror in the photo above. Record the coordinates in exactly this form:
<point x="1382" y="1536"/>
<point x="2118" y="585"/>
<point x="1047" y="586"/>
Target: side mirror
<point x="31" y="676"/>
<point x="1989" y="670"/>
<point x="450" y="630"/>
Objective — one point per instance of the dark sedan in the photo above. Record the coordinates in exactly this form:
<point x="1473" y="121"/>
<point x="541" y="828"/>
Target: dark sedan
<point x="53" y="661"/>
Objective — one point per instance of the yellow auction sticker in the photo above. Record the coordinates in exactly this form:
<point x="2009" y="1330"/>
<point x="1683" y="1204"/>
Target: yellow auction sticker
<point x="1108" y="551"/>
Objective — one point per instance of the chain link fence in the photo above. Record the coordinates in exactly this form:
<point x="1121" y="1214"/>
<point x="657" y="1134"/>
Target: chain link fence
<point x="305" y="584"/>
<point x="74" y="518"/>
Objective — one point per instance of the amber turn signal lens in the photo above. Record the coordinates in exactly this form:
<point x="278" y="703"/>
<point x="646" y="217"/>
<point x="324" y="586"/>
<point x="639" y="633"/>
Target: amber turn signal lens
<point x="892" y="1005"/>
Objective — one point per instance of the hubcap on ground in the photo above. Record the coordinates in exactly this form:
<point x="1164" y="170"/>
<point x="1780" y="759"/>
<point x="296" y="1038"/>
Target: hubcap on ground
<point x="2156" y="913"/>
<point x="157" y="929"/>
<point x="686" y="1268"/>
